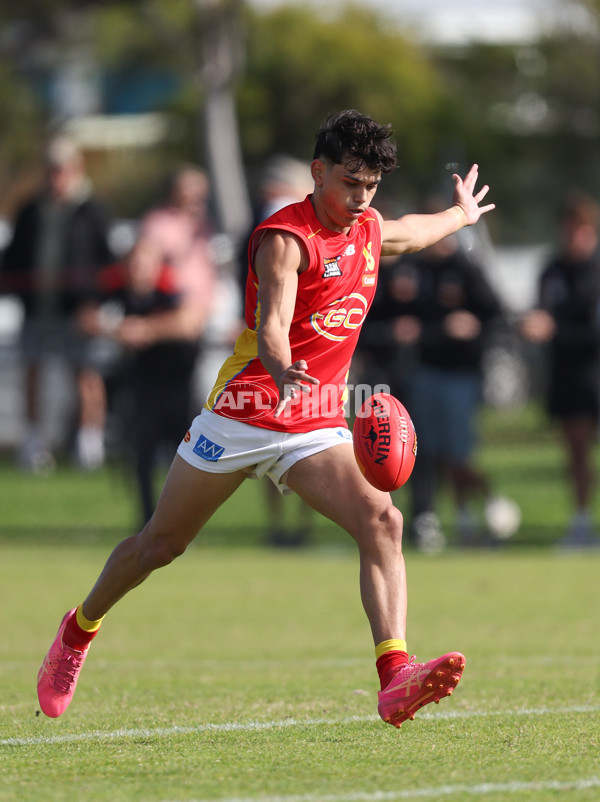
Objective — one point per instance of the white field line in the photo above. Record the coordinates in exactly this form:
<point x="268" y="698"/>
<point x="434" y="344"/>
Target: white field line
<point x="481" y="789"/>
<point x="175" y="730"/>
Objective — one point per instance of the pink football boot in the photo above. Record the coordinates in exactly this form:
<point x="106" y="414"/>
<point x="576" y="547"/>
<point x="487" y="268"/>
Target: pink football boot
<point x="58" y="675"/>
<point x="418" y="684"/>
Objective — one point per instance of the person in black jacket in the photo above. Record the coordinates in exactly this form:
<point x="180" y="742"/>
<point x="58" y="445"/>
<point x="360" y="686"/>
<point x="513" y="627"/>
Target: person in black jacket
<point x="59" y="242"/>
<point x="566" y="320"/>
<point x="429" y="326"/>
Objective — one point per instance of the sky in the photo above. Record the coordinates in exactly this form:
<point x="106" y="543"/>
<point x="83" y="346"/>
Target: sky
<point x="460" y="21"/>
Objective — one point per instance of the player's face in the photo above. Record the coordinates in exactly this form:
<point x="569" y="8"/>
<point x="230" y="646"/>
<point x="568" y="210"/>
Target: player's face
<point x="341" y="196"/>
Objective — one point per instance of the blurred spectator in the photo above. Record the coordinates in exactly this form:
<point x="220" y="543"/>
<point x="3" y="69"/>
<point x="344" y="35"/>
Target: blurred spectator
<point x="59" y="242"/>
<point x="183" y="230"/>
<point x="567" y="322"/>
<point x="284" y="180"/>
<point x="140" y="307"/>
<point x="429" y="325"/>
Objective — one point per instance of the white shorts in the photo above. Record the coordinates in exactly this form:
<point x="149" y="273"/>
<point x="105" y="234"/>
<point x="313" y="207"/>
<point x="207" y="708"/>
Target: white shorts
<point x="221" y="445"/>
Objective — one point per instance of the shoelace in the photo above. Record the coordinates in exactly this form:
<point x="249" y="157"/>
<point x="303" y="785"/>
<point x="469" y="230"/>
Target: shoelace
<point x="411" y="662"/>
<point x="67" y="669"/>
<point x="408" y="666"/>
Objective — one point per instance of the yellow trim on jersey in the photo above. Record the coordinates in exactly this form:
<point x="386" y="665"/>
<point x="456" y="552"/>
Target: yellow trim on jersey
<point x="394" y="644"/>
<point x="246" y="349"/>
<point x="367" y="220"/>
<point x="346" y="392"/>
<point x="257" y="316"/>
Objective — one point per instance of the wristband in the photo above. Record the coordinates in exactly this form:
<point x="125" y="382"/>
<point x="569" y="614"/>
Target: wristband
<point x="460" y="215"/>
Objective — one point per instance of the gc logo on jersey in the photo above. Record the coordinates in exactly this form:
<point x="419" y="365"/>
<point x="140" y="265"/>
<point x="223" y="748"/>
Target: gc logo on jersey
<point x="341" y="317"/>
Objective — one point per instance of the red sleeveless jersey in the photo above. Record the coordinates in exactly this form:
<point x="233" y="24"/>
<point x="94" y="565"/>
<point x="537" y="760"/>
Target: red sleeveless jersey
<point x="333" y="297"/>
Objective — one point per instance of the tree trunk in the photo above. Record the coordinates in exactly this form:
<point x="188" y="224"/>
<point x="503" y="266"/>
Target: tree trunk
<point x="222" y="61"/>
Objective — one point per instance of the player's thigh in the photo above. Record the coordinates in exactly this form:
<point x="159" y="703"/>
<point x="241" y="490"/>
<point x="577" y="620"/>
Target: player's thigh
<point x="188" y="499"/>
<point x="331" y="482"/>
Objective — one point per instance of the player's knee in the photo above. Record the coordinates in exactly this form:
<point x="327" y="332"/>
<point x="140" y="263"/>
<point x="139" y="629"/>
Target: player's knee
<point x="383" y="529"/>
<point x="160" y="550"/>
<point x="390" y="525"/>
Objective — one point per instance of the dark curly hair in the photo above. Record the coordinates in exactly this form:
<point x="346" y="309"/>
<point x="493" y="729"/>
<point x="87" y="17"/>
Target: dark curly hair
<point x="356" y="141"/>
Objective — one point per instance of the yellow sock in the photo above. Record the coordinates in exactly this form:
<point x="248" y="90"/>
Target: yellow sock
<point x="392" y="645"/>
<point x="85" y="623"/>
<point x="391" y="656"/>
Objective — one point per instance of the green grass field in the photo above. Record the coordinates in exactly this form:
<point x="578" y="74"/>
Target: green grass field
<point x="519" y="451"/>
<point x="247" y="674"/>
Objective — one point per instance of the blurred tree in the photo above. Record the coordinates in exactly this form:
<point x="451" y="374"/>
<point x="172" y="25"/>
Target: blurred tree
<point x="199" y="43"/>
<point x="22" y="114"/>
<point x="20" y="117"/>
<point x="302" y="65"/>
<point x="222" y="64"/>
<point x="528" y="113"/>
<point x="148" y="55"/>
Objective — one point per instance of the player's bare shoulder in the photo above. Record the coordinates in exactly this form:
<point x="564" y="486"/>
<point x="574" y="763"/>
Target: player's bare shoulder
<point x="277" y="250"/>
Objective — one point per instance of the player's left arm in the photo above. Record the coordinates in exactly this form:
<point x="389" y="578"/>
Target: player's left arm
<point x="413" y="232"/>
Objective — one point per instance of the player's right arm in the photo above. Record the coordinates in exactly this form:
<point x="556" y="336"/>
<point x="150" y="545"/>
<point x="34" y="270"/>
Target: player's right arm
<point x="277" y="263"/>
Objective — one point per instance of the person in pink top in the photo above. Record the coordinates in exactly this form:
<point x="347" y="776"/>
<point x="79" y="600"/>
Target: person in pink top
<point x="313" y="273"/>
<point x="182" y="229"/>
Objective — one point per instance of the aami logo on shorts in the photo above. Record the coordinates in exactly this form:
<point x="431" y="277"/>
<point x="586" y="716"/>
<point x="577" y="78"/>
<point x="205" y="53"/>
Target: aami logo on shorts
<point x="208" y="450"/>
<point x="341" y="317"/>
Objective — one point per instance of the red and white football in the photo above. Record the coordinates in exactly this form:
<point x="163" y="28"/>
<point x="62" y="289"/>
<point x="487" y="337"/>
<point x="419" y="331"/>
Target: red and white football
<point x="385" y="442"/>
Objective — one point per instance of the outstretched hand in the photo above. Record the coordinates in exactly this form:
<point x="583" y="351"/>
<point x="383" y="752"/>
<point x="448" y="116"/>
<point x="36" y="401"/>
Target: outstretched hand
<point x="464" y="197"/>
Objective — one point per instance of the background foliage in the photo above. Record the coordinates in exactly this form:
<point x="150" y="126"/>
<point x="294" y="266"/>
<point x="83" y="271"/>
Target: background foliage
<point x="529" y="114"/>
